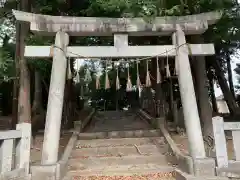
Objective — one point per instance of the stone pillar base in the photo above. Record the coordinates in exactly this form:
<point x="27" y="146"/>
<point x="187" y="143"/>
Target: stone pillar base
<point x="184" y="176"/>
<point x="204" y="167"/>
<point x="44" y="172"/>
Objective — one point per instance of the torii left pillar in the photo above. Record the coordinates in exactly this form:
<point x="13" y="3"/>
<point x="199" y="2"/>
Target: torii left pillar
<point x="55" y="100"/>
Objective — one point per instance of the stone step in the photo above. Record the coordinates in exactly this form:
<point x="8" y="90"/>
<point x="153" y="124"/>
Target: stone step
<point x="119" y="142"/>
<point x="142" y="169"/>
<point x="120" y="134"/>
<point x="93" y="163"/>
<point x="134" y="177"/>
<point x="119" y="151"/>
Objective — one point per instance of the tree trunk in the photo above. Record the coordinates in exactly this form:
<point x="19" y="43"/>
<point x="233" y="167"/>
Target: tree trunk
<point x="171" y="98"/>
<point x="159" y="101"/>
<point x="16" y="81"/>
<point x="38" y="114"/>
<point x="193" y="67"/>
<point x="212" y="92"/>
<point x="232" y="105"/>
<point x="205" y="110"/>
<point x="24" y="106"/>
<point x="230" y="79"/>
<point x="37" y="102"/>
<point x="69" y="103"/>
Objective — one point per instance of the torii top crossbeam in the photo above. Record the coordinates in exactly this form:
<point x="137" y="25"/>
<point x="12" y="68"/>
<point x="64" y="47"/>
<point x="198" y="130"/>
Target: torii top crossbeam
<point x="93" y="26"/>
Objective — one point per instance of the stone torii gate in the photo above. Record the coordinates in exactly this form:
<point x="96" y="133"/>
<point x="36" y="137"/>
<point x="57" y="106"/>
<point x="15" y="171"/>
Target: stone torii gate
<point x="63" y="27"/>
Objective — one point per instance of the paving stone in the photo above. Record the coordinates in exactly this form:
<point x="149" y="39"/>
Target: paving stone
<point x="101" y="162"/>
<point x="120" y="134"/>
<point x="118" y="145"/>
<point x="117" y="151"/>
<point x="120" y="142"/>
<point x="126" y="170"/>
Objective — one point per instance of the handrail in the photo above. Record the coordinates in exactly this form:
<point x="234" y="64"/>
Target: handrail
<point x="16" y="142"/>
<point x="11" y="134"/>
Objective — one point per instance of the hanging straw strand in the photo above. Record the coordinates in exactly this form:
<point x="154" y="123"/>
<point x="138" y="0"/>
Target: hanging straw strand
<point x="159" y="78"/>
<point x="77" y="73"/>
<point x="107" y="83"/>
<point x="138" y="78"/>
<point x="148" y="80"/>
<point x="168" y="74"/>
<point x="117" y="80"/>
<point x="129" y="83"/>
<point x="97" y="83"/>
<point x="69" y="75"/>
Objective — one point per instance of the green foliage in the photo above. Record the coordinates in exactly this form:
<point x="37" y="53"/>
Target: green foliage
<point x="225" y="35"/>
<point x="6" y="65"/>
<point x="42" y="65"/>
<point x="237" y="71"/>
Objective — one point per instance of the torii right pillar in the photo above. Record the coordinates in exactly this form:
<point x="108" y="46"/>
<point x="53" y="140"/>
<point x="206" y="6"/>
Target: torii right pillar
<point x="188" y="97"/>
<point x="198" y="164"/>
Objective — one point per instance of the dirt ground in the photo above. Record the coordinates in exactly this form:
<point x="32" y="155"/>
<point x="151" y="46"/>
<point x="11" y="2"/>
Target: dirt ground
<point x="36" y="152"/>
<point x="182" y="142"/>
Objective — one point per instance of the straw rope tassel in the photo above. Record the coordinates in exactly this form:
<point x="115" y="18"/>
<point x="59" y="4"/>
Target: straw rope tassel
<point x="77" y="75"/>
<point x="69" y="75"/>
<point x="107" y="83"/>
<point x="168" y="74"/>
<point x="176" y="66"/>
<point x="159" y="78"/>
<point x="117" y="81"/>
<point x="97" y="82"/>
<point x="148" y="80"/>
<point x="176" y="71"/>
<point x="88" y="77"/>
<point x="138" y="78"/>
<point x="129" y="83"/>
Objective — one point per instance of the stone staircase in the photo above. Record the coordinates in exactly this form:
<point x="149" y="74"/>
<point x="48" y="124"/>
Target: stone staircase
<point x="105" y="152"/>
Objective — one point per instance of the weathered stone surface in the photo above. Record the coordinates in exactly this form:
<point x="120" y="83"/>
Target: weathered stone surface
<point x="204" y="167"/>
<point x="23" y="147"/>
<point x="119" y="142"/>
<point x="184" y="176"/>
<point x="55" y="101"/>
<point x="188" y="97"/>
<point x="220" y="142"/>
<point x="231" y="126"/>
<point x="231" y="172"/>
<point x="91" y="26"/>
<point x="18" y="142"/>
<point x="44" y="172"/>
<point x="118" y="151"/>
<point x="185" y="163"/>
<point x="224" y="166"/>
<point x="119" y="156"/>
<point x="11" y="134"/>
<point x="94" y="163"/>
<point x="236" y="144"/>
<point x="120" y="134"/>
<point x="18" y="174"/>
<point x="139" y="169"/>
<point x="6" y="155"/>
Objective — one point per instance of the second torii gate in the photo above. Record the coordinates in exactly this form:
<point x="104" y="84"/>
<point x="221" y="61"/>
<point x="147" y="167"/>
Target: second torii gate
<point x="120" y="28"/>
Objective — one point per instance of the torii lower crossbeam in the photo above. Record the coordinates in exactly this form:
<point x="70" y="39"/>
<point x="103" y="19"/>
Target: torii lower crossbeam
<point x="115" y="52"/>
